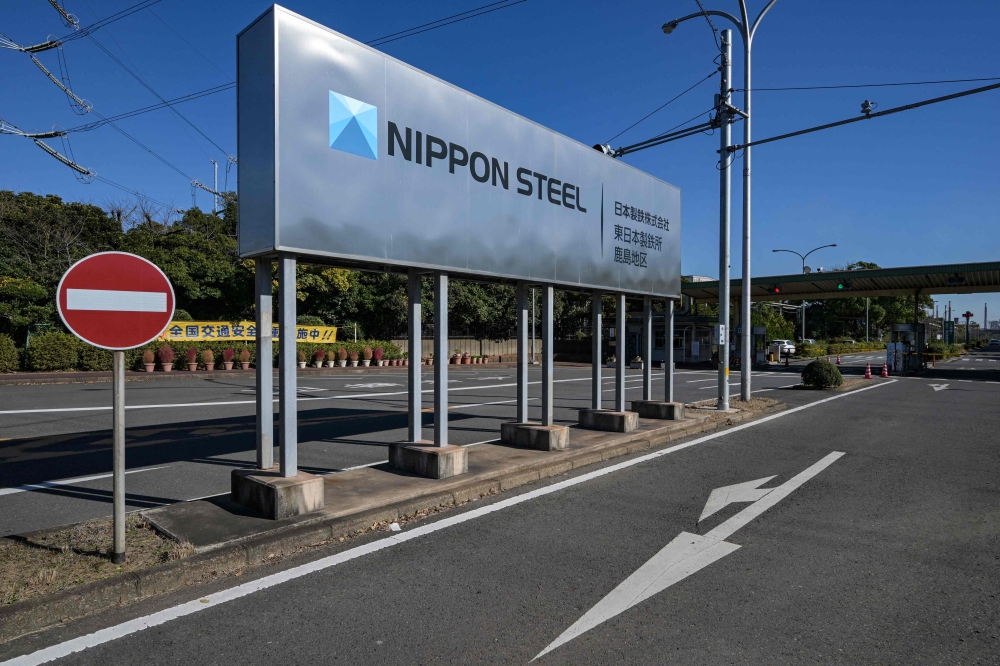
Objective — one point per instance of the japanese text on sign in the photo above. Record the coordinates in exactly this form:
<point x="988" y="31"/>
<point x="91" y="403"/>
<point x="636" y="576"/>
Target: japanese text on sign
<point x="193" y="331"/>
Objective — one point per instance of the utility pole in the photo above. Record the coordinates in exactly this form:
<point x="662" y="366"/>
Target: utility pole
<point x="725" y="186"/>
<point x="867" y="304"/>
<point x="215" y="187"/>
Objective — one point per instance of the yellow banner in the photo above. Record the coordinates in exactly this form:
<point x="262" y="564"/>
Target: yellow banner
<point x="203" y="331"/>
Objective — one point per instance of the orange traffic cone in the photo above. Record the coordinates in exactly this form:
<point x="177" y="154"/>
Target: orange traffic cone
<point x="885" y="370"/>
<point x="838" y="359"/>
<point x="868" y="370"/>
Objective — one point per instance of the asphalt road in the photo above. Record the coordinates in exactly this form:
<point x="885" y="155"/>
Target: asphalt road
<point x="186" y="435"/>
<point x="884" y="554"/>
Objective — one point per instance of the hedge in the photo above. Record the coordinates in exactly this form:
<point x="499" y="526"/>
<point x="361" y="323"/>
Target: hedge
<point x="61" y="351"/>
<point x="822" y="374"/>
<point x="9" y="360"/>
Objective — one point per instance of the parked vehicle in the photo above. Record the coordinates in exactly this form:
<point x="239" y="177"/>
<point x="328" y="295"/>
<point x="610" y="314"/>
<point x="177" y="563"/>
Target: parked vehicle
<point x="995" y="342"/>
<point x="808" y="341"/>
<point x="785" y="347"/>
<point x="847" y="342"/>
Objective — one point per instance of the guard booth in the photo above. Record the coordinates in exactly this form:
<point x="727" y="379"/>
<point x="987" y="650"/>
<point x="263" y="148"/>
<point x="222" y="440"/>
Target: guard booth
<point x="758" y="342"/>
<point x="905" y="351"/>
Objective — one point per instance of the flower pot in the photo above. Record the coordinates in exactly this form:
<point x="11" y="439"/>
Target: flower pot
<point x="302" y="364"/>
<point x="486" y="359"/>
<point x="635" y="366"/>
<point x="612" y="364"/>
<point x="166" y="367"/>
<point x="341" y="364"/>
<point x="210" y="366"/>
<point x="150" y="366"/>
<point x="245" y="365"/>
<point x="192" y="366"/>
<point x="455" y="360"/>
<point x="228" y="365"/>
<point x="331" y="364"/>
<point x="430" y="361"/>
<point x="466" y="360"/>
<point x="365" y="363"/>
<point x="354" y="364"/>
<point x="406" y="361"/>
<point x="317" y="364"/>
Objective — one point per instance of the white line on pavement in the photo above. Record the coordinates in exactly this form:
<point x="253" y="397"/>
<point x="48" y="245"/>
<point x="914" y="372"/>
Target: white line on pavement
<point x="212" y="600"/>
<point x="65" y="482"/>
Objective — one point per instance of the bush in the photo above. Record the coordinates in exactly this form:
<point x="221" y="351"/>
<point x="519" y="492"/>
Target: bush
<point x="8" y="354"/>
<point x="182" y="315"/>
<point x="192" y="355"/>
<point x="309" y="320"/>
<point x="244" y="355"/>
<point x="366" y="353"/>
<point x="378" y="353"/>
<point x="822" y="374"/>
<point x="148" y="357"/>
<point x="166" y="355"/>
<point x="94" y="358"/>
<point x="207" y="356"/>
<point x="228" y="354"/>
<point x="52" y="351"/>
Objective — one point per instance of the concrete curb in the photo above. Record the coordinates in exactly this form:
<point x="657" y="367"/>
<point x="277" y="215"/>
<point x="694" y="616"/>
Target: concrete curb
<point x="47" y="611"/>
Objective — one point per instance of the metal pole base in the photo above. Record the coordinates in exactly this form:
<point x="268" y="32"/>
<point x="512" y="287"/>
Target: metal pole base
<point x="118" y="558"/>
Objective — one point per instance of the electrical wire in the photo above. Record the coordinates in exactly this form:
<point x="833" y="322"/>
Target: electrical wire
<point x="663" y="106"/>
<point x="715" y="31"/>
<point x="106" y="21"/>
<point x="154" y="107"/>
<point x="874" y="85"/>
<point x="69" y="20"/>
<point x="380" y="41"/>
<point x="181" y="37"/>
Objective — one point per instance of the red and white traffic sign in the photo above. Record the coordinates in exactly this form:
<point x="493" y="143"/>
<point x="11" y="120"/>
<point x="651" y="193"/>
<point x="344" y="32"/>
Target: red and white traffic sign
<point x="115" y="300"/>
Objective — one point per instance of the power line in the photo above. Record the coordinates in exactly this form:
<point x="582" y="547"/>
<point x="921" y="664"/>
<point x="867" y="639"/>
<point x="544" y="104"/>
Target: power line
<point x="106" y="21"/>
<point x="442" y="22"/>
<point x="153" y="107"/>
<point x="663" y="106"/>
<point x="181" y="37"/>
<point x="868" y="116"/>
<point x="874" y="85"/>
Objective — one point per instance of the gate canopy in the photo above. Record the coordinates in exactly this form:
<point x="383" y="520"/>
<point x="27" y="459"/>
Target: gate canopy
<point x="944" y="279"/>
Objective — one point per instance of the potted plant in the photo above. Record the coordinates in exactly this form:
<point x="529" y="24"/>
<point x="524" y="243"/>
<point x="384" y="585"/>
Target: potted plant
<point x="342" y="357"/>
<point x="149" y="360"/>
<point x="208" y="358"/>
<point x="466" y="358"/>
<point x="426" y="360"/>
<point x="302" y="358"/>
<point x="227" y="358"/>
<point x="192" y="359"/>
<point x="636" y="363"/>
<point x="331" y="361"/>
<point x="406" y="358"/>
<point x="166" y="354"/>
<point x="378" y="356"/>
<point x="245" y="358"/>
<point x="612" y="361"/>
<point x="354" y="359"/>
<point x="366" y="356"/>
<point x="318" y="357"/>
<point x="486" y="359"/>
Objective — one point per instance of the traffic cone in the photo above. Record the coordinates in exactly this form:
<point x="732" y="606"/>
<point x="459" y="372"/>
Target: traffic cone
<point x="838" y="359"/>
<point x="868" y="370"/>
<point x="885" y="369"/>
<point x="786" y="360"/>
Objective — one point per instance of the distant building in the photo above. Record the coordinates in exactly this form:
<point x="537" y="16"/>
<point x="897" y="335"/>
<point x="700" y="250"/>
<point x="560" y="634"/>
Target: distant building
<point x="994" y="325"/>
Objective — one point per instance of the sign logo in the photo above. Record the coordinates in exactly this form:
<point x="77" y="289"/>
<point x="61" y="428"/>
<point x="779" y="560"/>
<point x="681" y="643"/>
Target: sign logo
<point x="353" y="126"/>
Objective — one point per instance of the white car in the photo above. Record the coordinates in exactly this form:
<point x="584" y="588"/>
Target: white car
<point x="785" y="347"/>
<point x="995" y="342"/>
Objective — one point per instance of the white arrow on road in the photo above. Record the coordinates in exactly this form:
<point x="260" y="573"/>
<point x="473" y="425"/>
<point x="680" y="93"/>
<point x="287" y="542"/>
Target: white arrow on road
<point x="689" y="553"/>
<point x="938" y="387"/>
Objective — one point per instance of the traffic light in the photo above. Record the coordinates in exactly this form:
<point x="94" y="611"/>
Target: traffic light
<point x="774" y="289"/>
<point x="844" y="285"/>
<point x="956" y="280"/>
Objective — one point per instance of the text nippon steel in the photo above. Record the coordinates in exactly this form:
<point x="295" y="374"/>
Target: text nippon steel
<point x="347" y="154"/>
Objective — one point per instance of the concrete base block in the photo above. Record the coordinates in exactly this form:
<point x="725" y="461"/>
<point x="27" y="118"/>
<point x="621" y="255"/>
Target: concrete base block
<point x="276" y="496"/>
<point x="654" y="409"/>
<point x="534" y="436"/>
<point x="425" y="459"/>
<point x="607" y="420"/>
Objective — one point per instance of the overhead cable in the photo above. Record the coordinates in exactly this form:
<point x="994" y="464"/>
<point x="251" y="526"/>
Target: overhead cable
<point x="68" y="19"/>
<point x="153" y="107"/>
<point x="876" y="85"/>
<point x="442" y="22"/>
<point x="663" y="106"/>
<point x="86" y="31"/>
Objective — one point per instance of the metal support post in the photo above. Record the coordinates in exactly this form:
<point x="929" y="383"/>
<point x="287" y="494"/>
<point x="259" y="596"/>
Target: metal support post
<point x="596" y="318"/>
<point x="803" y="321"/>
<point x="668" y="364"/>
<point x="287" y="361"/>
<point x="548" y="352"/>
<point x="265" y="374"/>
<point x="441" y="359"/>
<point x="620" y="352"/>
<point x="533" y="326"/>
<point x="647" y="348"/>
<point x="522" y="352"/>
<point x="118" y="456"/>
<point x="725" y="186"/>
<point x="414" y="395"/>
<point x="867" y="305"/>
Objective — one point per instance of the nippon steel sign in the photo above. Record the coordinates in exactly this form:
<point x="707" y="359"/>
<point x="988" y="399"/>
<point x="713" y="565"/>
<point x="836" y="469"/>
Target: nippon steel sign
<point x="350" y="157"/>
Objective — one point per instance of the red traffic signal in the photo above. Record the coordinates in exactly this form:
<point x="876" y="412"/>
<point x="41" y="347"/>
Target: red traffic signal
<point x="774" y="289"/>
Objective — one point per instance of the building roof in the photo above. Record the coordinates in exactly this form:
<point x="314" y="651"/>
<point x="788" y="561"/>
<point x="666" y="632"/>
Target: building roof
<point x="944" y="279"/>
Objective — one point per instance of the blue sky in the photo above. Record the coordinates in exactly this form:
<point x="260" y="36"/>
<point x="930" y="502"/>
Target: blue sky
<point x="915" y="188"/>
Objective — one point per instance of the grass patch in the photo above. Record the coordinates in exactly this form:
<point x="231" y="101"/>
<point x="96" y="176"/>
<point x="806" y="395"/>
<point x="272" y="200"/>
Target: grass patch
<point x="707" y="407"/>
<point x="53" y="560"/>
<point x="850" y="383"/>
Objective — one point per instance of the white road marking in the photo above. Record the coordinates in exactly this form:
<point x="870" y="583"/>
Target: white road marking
<point x="116" y="301"/>
<point x="66" y="482"/>
<point x="748" y="491"/>
<point x="370" y="386"/>
<point x="688" y="553"/>
<point x="939" y="387"/>
<point x="109" y="634"/>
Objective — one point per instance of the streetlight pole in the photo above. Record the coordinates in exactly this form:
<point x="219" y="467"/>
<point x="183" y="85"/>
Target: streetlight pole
<point x="803" y="258"/>
<point x="747" y="31"/>
<point x="725" y="185"/>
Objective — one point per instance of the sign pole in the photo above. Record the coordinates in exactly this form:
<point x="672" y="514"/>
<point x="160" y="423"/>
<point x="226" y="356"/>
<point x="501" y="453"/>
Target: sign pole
<point x="118" y="462"/>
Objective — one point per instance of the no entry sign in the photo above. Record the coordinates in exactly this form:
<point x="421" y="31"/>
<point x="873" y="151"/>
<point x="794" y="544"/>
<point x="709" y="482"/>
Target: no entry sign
<point x="115" y="300"/>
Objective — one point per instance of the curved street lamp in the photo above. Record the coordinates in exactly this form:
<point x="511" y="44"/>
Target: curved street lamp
<point x="803" y="256"/>
<point x="747" y="31"/>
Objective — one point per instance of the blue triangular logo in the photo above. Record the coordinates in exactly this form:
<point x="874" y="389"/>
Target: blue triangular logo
<point x="353" y="126"/>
